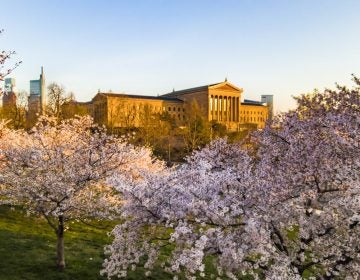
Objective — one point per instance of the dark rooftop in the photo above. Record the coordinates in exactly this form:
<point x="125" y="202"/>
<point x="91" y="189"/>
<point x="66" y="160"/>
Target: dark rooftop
<point x="74" y="102"/>
<point x="252" y="102"/>
<point x="189" y="90"/>
<point x="165" y="98"/>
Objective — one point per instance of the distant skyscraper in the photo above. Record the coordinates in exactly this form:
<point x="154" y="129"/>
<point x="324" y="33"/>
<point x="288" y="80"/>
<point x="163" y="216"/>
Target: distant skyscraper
<point x="35" y="87"/>
<point x="9" y="95"/>
<point x="37" y="98"/>
<point x="10" y="85"/>
<point x="269" y="100"/>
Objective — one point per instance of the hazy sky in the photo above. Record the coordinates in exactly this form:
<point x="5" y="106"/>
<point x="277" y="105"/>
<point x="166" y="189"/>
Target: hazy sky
<point x="152" y="46"/>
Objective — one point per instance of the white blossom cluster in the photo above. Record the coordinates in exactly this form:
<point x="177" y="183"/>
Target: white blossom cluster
<point x="58" y="169"/>
<point x="287" y="208"/>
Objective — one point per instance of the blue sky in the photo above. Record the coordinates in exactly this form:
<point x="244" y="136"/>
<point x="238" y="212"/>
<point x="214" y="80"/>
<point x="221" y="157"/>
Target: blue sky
<point x="152" y="46"/>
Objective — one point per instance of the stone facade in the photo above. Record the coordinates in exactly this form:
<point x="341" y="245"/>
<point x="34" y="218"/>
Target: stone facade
<point x="253" y="115"/>
<point x="220" y="102"/>
<point x="121" y="110"/>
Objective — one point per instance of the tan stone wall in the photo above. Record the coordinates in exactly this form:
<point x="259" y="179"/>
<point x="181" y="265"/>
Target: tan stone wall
<point x="201" y="97"/>
<point x="100" y="109"/>
<point x="176" y="110"/>
<point x="133" y="112"/>
<point x="253" y="114"/>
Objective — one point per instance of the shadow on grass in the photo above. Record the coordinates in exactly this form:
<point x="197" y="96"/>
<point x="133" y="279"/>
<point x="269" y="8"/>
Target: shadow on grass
<point x="28" y="248"/>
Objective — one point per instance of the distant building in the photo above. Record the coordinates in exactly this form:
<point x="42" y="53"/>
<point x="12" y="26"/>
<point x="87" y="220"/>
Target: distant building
<point x="269" y="100"/>
<point x="10" y="85"/>
<point x="220" y="102"/>
<point x="37" y="98"/>
<point x="9" y="95"/>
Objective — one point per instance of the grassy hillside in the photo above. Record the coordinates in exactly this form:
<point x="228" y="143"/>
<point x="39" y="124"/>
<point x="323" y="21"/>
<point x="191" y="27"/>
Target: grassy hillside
<point x="27" y="249"/>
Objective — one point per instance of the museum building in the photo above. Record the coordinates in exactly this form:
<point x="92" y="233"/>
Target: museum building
<point x="220" y="102"/>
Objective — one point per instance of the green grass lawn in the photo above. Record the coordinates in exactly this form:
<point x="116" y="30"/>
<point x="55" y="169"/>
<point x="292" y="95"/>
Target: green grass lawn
<point x="27" y="249"/>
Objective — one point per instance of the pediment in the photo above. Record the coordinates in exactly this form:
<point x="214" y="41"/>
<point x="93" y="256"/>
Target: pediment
<point x="226" y="86"/>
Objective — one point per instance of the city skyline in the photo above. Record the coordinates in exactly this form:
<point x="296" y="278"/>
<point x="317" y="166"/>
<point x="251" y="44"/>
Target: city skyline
<point x="147" y="48"/>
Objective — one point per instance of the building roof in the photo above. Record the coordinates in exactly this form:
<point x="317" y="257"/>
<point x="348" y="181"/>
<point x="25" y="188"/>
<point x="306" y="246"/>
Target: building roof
<point x="252" y="102"/>
<point x="188" y="90"/>
<point x="84" y="103"/>
<point x="164" y="98"/>
<point x="78" y="102"/>
<point x="201" y="88"/>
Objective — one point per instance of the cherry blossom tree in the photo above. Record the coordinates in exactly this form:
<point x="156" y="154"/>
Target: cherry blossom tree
<point x="200" y="211"/>
<point x="58" y="171"/>
<point x="288" y="209"/>
<point x="310" y="160"/>
<point x="5" y="133"/>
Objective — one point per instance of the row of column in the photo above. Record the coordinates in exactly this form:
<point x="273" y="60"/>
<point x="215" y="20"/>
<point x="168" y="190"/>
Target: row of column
<point x="224" y="108"/>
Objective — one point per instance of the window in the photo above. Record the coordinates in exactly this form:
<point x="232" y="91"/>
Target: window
<point x="169" y="109"/>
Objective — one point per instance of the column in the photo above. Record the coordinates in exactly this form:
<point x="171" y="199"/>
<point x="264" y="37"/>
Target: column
<point x="218" y="108"/>
<point x="211" y="105"/>
<point x="221" y="108"/>
<point x="237" y="109"/>
<point x="231" y="108"/>
<point x="215" y="107"/>
<point x="225" y="108"/>
<point x="234" y="109"/>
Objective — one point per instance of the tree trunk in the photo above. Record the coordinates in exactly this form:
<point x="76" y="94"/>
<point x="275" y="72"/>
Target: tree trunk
<point x="60" y="244"/>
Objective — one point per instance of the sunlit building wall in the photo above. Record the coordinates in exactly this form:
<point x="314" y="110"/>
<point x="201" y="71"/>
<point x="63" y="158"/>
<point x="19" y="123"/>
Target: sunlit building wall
<point x="220" y="103"/>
